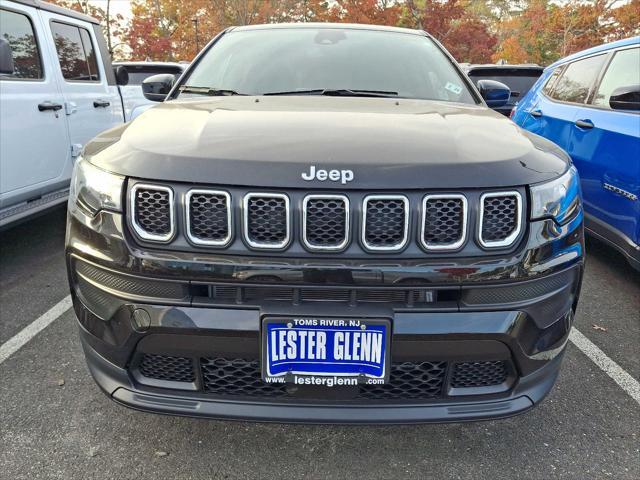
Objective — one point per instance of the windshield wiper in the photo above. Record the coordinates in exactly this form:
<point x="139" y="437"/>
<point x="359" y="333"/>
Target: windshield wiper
<point x="214" y="92"/>
<point x="338" y="92"/>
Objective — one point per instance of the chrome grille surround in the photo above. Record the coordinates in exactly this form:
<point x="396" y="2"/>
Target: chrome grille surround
<point x="139" y="229"/>
<point x="347" y="220"/>
<point x="405" y="238"/>
<point x="391" y="223"/>
<point x="223" y="242"/>
<point x="511" y="238"/>
<point x="423" y="222"/>
<point x="246" y="227"/>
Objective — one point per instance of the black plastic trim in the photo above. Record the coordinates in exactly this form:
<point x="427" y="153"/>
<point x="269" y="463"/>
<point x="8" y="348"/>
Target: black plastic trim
<point x="614" y="238"/>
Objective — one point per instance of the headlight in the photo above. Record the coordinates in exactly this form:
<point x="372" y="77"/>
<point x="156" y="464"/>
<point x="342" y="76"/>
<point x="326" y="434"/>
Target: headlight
<point x="558" y="199"/>
<point x="93" y="189"/>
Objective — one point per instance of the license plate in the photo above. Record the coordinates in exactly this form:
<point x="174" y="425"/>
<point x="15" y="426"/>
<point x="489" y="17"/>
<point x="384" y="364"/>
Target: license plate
<point x="325" y="351"/>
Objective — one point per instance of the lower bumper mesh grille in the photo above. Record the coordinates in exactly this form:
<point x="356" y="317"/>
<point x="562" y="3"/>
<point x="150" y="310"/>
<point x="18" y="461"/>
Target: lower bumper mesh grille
<point x="163" y="367"/>
<point x="237" y="377"/>
<point x="478" y="374"/>
<point x="411" y="381"/>
<point x="408" y="380"/>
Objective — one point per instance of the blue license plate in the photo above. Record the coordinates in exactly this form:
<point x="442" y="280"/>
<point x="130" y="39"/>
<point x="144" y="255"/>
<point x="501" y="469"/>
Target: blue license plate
<point x="325" y="351"/>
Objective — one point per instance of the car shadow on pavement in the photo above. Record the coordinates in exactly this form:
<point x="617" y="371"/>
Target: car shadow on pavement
<point x="602" y="253"/>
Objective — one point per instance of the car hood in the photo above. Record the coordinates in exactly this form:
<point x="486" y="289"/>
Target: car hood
<point x="272" y="141"/>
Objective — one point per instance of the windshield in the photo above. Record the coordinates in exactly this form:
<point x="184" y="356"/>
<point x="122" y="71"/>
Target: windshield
<point x="316" y="60"/>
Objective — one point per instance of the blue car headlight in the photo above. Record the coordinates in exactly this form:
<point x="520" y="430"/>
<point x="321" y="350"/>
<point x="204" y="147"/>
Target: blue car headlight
<point x="94" y="189"/>
<point x="559" y="199"/>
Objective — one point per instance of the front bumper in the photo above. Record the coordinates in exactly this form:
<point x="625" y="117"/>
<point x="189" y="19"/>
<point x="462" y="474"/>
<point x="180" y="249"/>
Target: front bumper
<point x="117" y="383"/>
<point x="516" y="310"/>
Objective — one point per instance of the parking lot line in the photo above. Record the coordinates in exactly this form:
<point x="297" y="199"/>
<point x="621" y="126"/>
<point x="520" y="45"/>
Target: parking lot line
<point x="629" y="384"/>
<point x="611" y="368"/>
<point x="16" y="342"/>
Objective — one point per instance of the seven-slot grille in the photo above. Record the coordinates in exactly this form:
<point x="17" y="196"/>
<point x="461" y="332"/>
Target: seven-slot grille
<point x="266" y="220"/>
<point x="208" y="217"/>
<point x="384" y="224"/>
<point x="325" y="223"/>
<point x="500" y="218"/>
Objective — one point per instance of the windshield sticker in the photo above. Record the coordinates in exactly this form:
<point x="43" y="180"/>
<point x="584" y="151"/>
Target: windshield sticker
<point x="452" y="87"/>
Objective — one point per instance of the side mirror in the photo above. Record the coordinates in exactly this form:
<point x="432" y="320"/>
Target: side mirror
<point x="6" y="58"/>
<point x="625" y="98"/>
<point x="496" y="94"/>
<point x="157" y="87"/>
<point x="122" y="75"/>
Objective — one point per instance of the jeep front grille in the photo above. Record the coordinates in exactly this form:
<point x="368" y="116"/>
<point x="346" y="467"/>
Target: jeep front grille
<point x="266" y="220"/>
<point x="444" y="222"/>
<point x="386" y="222"/>
<point x="152" y="207"/>
<point x="325" y="224"/>
<point x="500" y="218"/>
<point x="208" y="217"/>
<point x="356" y="224"/>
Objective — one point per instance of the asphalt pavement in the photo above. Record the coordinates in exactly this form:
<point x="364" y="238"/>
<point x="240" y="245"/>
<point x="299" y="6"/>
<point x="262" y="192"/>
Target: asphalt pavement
<point x="55" y="423"/>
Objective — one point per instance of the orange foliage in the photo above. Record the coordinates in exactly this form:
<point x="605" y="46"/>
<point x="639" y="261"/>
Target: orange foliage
<point x="626" y="20"/>
<point x="479" y="31"/>
<point x="464" y="34"/>
<point x="545" y="31"/>
<point x="375" y="12"/>
<point x="114" y="26"/>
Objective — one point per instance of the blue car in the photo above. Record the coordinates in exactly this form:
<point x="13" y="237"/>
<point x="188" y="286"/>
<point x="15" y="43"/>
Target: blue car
<point x="589" y="104"/>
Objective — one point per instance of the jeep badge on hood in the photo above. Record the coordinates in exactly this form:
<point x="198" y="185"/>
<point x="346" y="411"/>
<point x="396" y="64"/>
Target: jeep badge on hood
<point x="344" y="176"/>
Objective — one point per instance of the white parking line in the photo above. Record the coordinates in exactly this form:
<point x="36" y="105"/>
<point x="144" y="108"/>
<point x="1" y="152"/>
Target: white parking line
<point x="608" y="366"/>
<point x="16" y="342"/>
<point x="597" y="356"/>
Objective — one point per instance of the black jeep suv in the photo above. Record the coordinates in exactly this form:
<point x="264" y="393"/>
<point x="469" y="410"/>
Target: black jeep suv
<point x="324" y="223"/>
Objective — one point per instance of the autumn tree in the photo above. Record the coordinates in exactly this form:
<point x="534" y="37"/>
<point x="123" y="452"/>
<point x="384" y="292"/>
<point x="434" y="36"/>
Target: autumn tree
<point x="625" y="20"/>
<point x="464" y="34"/>
<point x="282" y="11"/>
<point x="114" y="26"/>
<point x="526" y="37"/>
<point x="544" y="31"/>
<point x="377" y="12"/>
<point x="153" y="24"/>
<point x="176" y="30"/>
<point x="478" y="31"/>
